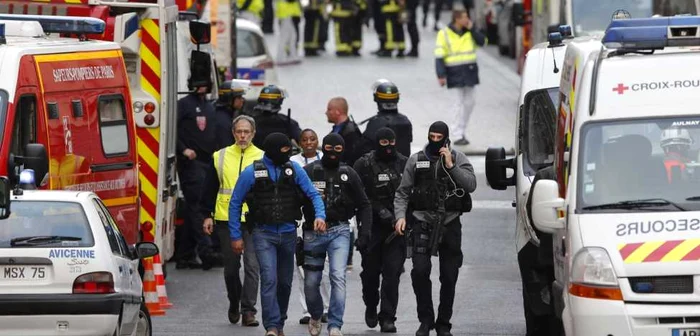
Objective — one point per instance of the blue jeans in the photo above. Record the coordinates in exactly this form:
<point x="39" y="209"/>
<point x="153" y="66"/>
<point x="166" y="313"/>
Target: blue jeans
<point x="275" y="252"/>
<point x="336" y="242"/>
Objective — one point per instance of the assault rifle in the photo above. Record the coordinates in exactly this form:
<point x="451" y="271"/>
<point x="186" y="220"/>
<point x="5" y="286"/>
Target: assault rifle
<point x="438" y="228"/>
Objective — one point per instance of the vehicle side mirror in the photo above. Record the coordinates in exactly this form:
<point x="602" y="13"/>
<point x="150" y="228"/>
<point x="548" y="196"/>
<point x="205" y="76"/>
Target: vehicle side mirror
<point x="145" y="250"/>
<point x="546" y="204"/>
<point x="35" y="158"/>
<point x="200" y="32"/>
<point x="496" y="165"/>
<point x="5" y="189"/>
<point x="518" y="14"/>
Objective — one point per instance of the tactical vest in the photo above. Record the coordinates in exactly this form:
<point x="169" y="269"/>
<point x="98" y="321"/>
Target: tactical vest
<point x="385" y="181"/>
<point x="337" y="193"/>
<point x="431" y="184"/>
<point x="273" y="202"/>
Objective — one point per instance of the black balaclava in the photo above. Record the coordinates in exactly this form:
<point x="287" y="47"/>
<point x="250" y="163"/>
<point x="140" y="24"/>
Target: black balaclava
<point x="434" y="146"/>
<point x="331" y="158"/>
<point x="387" y="152"/>
<point x="273" y="148"/>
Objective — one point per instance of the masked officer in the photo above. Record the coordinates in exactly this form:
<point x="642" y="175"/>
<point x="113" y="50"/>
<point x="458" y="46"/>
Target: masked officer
<point x="228" y="106"/>
<point x="196" y="142"/>
<point x="344" y="197"/>
<point x="218" y="186"/>
<point x="386" y="95"/>
<point x="436" y="183"/>
<point x="380" y="171"/>
<point x="269" y="120"/>
<point x="274" y="189"/>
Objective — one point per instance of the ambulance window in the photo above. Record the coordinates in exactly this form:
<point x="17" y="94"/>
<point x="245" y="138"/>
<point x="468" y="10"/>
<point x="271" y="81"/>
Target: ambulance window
<point x="113" y="128"/>
<point x="77" y="107"/>
<point x="52" y="109"/>
<point x="24" y="131"/>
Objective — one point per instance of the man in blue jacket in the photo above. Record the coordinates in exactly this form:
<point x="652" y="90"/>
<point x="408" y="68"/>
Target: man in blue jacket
<point x="274" y="189"/>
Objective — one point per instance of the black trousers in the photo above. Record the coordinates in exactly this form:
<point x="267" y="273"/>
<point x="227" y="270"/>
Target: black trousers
<point x="240" y="292"/>
<point x="537" y="279"/>
<point x="313" y="22"/>
<point x="437" y="9"/>
<point x="356" y="31"/>
<point x="379" y="25"/>
<point x="450" y="257"/>
<point x="343" y="34"/>
<point x="268" y="19"/>
<point x="395" y="39"/>
<point x="411" y="25"/>
<point x="385" y="261"/>
<point x="192" y="240"/>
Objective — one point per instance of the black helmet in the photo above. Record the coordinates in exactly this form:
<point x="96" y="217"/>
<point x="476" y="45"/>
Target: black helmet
<point x="270" y="99"/>
<point x="230" y="90"/>
<point x="386" y="92"/>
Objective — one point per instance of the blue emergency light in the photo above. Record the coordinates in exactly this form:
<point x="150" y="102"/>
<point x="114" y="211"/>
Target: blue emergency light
<point x="2" y="33"/>
<point x="653" y="33"/>
<point x="566" y="31"/>
<point x="61" y="24"/>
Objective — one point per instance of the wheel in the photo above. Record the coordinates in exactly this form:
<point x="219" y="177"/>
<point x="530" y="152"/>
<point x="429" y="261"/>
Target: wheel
<point x="143" y="325"/>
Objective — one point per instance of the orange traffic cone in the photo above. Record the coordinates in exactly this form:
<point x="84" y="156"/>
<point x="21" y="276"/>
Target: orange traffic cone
<point x="150" y="289"/>
<point x="160" y="283"/>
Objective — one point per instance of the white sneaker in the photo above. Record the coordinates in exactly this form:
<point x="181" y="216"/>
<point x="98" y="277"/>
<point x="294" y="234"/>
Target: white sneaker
<point x="335" y="332"/>
<point x="314" y="327"/>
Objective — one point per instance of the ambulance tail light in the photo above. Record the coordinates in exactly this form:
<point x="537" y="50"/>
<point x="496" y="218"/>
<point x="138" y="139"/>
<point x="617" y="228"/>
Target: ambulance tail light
<point x="94" y="283"/>
<point x="593" y="276"/>
<point x="151" y="116"/>
<point x="150" y="107"/>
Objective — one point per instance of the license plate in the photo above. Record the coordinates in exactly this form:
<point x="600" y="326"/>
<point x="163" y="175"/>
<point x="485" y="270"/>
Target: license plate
<point x="251" y="74"/>
<point x="28" y="273"/>
<point x="686" y="332"/>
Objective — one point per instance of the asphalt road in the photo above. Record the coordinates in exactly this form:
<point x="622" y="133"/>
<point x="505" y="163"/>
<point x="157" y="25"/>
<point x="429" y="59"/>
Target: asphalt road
<point x="489" y="299"/>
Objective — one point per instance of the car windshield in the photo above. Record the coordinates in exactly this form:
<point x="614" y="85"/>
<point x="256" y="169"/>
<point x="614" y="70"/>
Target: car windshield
<point x="45" y="223"/>
<point x="651" y="161"/>
<point x="592" y="17"/>
<point x="249" y="44"/>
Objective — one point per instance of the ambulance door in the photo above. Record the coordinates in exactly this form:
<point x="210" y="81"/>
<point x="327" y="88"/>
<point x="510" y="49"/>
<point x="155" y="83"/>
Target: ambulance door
<point x="114" y="159"/>
<point x="25" y="121"/>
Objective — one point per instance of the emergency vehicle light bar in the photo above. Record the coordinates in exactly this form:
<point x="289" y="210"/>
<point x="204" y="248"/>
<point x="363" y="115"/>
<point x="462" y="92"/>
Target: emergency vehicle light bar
<point x="653" y="33"/>
<point x="61" y="24"/>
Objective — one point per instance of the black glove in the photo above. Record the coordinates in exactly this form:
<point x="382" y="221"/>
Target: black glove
<point x="362" y="243"/>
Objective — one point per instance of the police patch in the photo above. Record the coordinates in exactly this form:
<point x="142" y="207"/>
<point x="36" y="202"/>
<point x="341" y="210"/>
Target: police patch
<point x="423" y="164"/>
<point x="383" y="177"/>
<point x="260" y="173"/>
<point x="344" y="177"/>
<point x="289" y="171"/>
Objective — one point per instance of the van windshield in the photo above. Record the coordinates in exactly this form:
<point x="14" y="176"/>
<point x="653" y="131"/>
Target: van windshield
<point x="592" y="17"/>
<point x="633" y="160"/>
<point x="45" y="224"/>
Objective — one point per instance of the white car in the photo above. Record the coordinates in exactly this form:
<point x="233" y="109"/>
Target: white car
<point x="253" y="61"/>
<point x="65" y="269"/>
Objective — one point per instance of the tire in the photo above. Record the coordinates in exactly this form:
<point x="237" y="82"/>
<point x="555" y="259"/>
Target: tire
<point x="144" y="326"/>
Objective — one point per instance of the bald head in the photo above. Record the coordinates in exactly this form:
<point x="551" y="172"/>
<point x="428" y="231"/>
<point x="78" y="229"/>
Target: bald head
<point x="337" y="110"/>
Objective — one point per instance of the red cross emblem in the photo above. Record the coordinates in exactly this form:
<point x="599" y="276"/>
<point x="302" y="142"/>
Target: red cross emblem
<point x="621" y="88"/>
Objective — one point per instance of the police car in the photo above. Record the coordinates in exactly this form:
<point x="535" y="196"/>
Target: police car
<point x="625" y="206"/>
<point x="65" y="269"/>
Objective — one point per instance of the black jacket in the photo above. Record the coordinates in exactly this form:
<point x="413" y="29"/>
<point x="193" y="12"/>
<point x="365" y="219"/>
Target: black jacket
<point x="196" y="127"/>
<point x="353" y="142"/>
<point x="398" y="123"/>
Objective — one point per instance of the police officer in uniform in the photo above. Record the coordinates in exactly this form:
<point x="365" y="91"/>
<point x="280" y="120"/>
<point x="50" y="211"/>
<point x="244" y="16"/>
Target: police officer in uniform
<point x="436" y="183"/>
<point x="380" y="171"/>
<point x="269" y="120"/>
<point x="344" y="197"/>
<point x="222" y="175"/>
<point x="196" y="142"/>
<point x="228" y="106"/>
<point x="386" y="95"/>
<point x="274" y="189"/>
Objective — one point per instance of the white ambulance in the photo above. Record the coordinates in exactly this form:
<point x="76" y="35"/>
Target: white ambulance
<point x="625" y="206"/>
<point x="534" y="150"/>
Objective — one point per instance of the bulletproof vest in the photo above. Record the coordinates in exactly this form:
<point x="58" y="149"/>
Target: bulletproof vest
<point x="273" y="202"/>
<point x="399" y="124"/>
<point x="432" y="184"/>
<point x="385" y="180"/>
<point x="268" y="123"/>
<point x="335" y="186"/>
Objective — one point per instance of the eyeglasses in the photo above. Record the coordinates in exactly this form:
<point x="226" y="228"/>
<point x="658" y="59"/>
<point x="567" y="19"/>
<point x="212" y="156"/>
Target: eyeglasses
<point x="336" y="148"/>
<point x="385" y="142"/>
